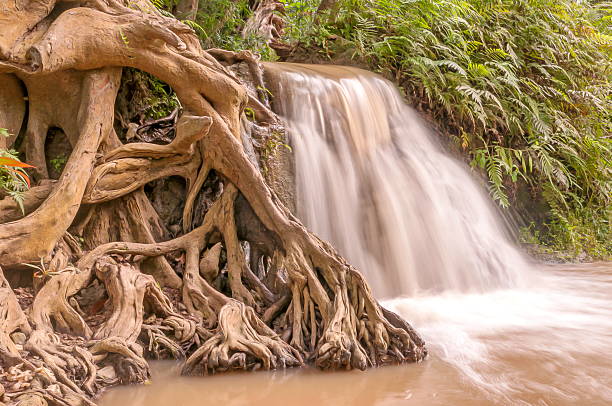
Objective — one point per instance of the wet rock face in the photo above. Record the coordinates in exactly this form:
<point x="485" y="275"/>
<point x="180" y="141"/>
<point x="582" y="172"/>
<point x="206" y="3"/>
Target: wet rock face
<point x="281" y="177"/>
<point x="280" y="165"/>
<point x="275" y="160"/>
<point x="268" y="146"/>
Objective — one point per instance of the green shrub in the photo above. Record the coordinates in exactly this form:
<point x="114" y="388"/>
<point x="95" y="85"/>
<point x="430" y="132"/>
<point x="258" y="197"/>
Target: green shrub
<point x="14" y="180"/>
<point x="219" y="24"/>
<point x="523" y="87"/>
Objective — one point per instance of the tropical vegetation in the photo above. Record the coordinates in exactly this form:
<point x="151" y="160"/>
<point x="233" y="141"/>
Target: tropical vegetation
<point x="14" y="180"/>
<point x="521" y="87"/>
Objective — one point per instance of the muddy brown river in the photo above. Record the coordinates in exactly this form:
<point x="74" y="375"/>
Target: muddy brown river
<point x="372" y="179"/>
<point x="546" y="345"/>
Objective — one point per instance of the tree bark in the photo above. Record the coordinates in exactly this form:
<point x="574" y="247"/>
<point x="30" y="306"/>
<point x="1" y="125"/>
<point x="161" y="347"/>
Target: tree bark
<point x="115" y="286"/>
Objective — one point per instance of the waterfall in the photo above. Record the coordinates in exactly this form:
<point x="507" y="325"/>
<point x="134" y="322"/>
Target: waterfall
<point x="372" y="180"/>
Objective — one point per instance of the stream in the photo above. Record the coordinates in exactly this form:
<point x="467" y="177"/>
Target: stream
<point x="372" y="179"/>
<point x="548" y="345"/>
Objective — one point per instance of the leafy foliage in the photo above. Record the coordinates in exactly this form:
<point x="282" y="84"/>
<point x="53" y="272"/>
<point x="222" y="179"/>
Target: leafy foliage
<point x="58" y="163"/>
<point x="219" y="24"/>
<point x="270" y="147"/>
<point x="13" y="178"/>
<point x="523" y="86"/>
<point x="162" y="100"/>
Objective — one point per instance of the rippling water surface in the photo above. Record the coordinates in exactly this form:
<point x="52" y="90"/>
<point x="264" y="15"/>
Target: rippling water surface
<point x="547" y="345"/>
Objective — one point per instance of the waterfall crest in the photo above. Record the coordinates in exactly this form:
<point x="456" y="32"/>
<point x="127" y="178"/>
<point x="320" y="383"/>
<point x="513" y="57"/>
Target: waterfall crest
<point x="371" y="179"/>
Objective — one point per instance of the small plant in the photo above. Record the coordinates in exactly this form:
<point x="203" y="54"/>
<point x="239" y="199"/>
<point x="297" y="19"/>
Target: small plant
<point x="270" y="148"/>
<point x="14" y="180"/>
<point x="264" y="93"/>
<point x="162" y="101"/>
<point x="43" y="272"/>
<point x="58" y="163"/>
<point x="194" y="26"/>
<point x="249" y="113"/>
<point x="124" y="38"/>
<point x="165" y="5"/>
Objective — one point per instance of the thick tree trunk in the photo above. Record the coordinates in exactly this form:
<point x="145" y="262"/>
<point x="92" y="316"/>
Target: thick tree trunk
<point x="241" y="285"/>
<point x="331" y="7"/>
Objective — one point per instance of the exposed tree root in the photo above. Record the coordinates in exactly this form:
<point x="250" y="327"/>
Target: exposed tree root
<point x="242" y="286"/>
<point x="12" y="319"/>
<point x="265" y="20"/>
<point x="242" y="341"/>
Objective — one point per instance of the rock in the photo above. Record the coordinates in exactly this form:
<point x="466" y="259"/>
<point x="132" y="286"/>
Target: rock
<point x="209" y="264"/>
<point x="107" y="374"/>
<point x="166" y="196"/>
<point x="19" y="338"/>
<point x="91" y="294"/>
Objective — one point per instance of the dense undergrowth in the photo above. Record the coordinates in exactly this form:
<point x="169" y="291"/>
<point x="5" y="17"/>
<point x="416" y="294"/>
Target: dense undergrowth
<point x="522" y="87"/>
<point x="220" y="24"/>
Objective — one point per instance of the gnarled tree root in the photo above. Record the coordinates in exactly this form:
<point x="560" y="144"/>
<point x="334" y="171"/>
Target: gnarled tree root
<point x="242" y="342"/>
<point x="249" y="286"/>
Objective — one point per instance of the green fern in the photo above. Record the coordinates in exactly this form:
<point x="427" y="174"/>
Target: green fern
<point x="524" y="85"/>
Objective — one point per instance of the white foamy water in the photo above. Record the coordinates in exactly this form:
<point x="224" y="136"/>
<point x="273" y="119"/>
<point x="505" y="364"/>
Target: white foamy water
<point x="547" y="344"/>
<point x="372" y="180"/>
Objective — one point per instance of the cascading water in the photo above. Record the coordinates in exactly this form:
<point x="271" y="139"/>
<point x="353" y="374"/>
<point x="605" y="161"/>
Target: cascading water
<point x="371" y="180"/>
